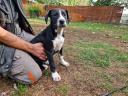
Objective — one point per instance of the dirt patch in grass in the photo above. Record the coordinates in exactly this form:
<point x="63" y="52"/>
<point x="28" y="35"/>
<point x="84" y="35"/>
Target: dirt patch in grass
<point x="81" y="79"/>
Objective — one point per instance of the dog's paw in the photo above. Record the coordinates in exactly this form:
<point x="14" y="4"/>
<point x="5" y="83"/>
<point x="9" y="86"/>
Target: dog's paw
<point x="64" y="63"/>
<point x="45" y="66"/>
<point x="47" y="62"/>
<point x="56" y="76"/>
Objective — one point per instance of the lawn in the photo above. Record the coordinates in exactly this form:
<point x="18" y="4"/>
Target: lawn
<point x="99" y="61"/>
<point x="115" y="31"/>
<point x="100" y="50"/>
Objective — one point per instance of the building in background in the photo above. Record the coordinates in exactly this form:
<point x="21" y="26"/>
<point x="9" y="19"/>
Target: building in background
<point x="124" y="18"/>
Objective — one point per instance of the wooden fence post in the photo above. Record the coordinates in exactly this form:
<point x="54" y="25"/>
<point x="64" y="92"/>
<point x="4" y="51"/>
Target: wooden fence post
<point x="24" y="1"/>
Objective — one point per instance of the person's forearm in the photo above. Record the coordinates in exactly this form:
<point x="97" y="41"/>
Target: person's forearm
<point x="14" y="41"/>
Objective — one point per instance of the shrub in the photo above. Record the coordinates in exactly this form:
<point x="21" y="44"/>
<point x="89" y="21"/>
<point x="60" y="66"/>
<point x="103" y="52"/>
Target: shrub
<point x="34" y="10"/>
<point x="64" y="2"/>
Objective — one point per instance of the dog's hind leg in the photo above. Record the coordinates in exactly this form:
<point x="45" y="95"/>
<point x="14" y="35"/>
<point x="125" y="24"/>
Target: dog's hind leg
<point x="45" y="65"/>
<point x="62" y="61"/>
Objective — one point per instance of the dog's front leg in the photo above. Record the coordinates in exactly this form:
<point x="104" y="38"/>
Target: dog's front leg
<point x="55" y="75"/>
<point x="62" y="61"/>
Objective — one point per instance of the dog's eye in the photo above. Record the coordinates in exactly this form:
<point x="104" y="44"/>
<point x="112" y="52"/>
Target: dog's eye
<point x="55" y="14"/>
<point x="63" y="13"/>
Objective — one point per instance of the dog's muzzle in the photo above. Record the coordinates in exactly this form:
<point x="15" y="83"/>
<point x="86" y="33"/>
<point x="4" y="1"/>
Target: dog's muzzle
<point x="62" y="23"/>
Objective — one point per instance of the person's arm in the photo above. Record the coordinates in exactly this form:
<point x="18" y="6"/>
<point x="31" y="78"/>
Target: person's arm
<point x="16" y="42"/>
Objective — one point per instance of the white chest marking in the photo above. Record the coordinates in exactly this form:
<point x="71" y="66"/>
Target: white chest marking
<point x="58" y="41"/>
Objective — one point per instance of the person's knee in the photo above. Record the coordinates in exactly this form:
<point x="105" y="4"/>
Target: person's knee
<point x="38" y="74"/>
<point x="28" y="78"/>
<point x="34" y="75"/>
<point x="26" y="70"/>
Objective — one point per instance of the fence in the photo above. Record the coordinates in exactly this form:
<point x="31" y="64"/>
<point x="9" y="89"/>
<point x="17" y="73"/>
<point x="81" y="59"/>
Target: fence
<point x="24" y="1"/>
<point x="104" y="14"/>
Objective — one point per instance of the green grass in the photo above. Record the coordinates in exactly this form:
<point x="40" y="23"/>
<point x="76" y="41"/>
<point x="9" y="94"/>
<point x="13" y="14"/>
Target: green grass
<point x="99" y="27"/>
<point x="107" y="80"/>
<point x="99" y="54"/>
<point x="107" y="85"/>
<point x="124" y="37"/>
<point x="116" y="31"/>
<point x="62" y="90"/>
<point x="125" y="91"/>
<point x="122" y="57"/>
<point x="22" y="89"/>
<point x="122" y="30"/>
<point x="36" y="21"/>
<point x="107" y="77"/>
<point x="47" y="73"/>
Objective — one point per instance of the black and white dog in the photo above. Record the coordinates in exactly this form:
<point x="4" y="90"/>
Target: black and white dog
<point x="53" y="39"/>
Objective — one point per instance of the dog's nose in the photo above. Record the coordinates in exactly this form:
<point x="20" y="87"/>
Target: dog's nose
<point x="61" y="21"/>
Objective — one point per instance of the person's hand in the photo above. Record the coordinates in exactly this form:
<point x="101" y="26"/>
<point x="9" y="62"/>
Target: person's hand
<point x="38" y="51"/>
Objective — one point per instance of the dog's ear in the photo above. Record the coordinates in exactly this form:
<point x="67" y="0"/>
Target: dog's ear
<point x="47" y="15"/>
<point x="68" y="18"/>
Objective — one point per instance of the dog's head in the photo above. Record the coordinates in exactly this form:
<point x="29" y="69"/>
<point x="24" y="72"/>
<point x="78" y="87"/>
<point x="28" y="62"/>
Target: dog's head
<point x="58" y="17"/>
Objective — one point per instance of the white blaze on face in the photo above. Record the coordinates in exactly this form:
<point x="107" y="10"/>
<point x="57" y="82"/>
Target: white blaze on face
<point x="61" y="17"/>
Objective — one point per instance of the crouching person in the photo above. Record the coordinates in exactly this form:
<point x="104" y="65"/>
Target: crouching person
<point x="15" y="34"/>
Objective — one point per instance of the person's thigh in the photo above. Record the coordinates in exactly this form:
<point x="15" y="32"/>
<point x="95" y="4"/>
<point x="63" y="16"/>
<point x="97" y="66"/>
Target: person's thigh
<point x="27" y="36"/>
<point x="24" y="68"/>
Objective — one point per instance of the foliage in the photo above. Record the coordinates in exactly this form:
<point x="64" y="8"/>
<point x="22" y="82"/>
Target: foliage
<point x="49" y="2"/>
<point x="35" y="10"/>
<point x="110" y="2"/>
<point x="40" y="1"/>
<point x="122" y="2"/>
<point x="104" y="2"/>
<point x="63" y="2"/>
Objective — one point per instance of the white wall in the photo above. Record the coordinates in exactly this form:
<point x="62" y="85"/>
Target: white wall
<point x="125" y="11"/>
<point x="124" y="18"/>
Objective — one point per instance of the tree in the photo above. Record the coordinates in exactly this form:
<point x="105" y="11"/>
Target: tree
<point x="64" y="2"/>
<point x="123" y="3"/>
<point x="54" y="2"/>
<point x="101" y="2"/>
<point x="109" y="2"/>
